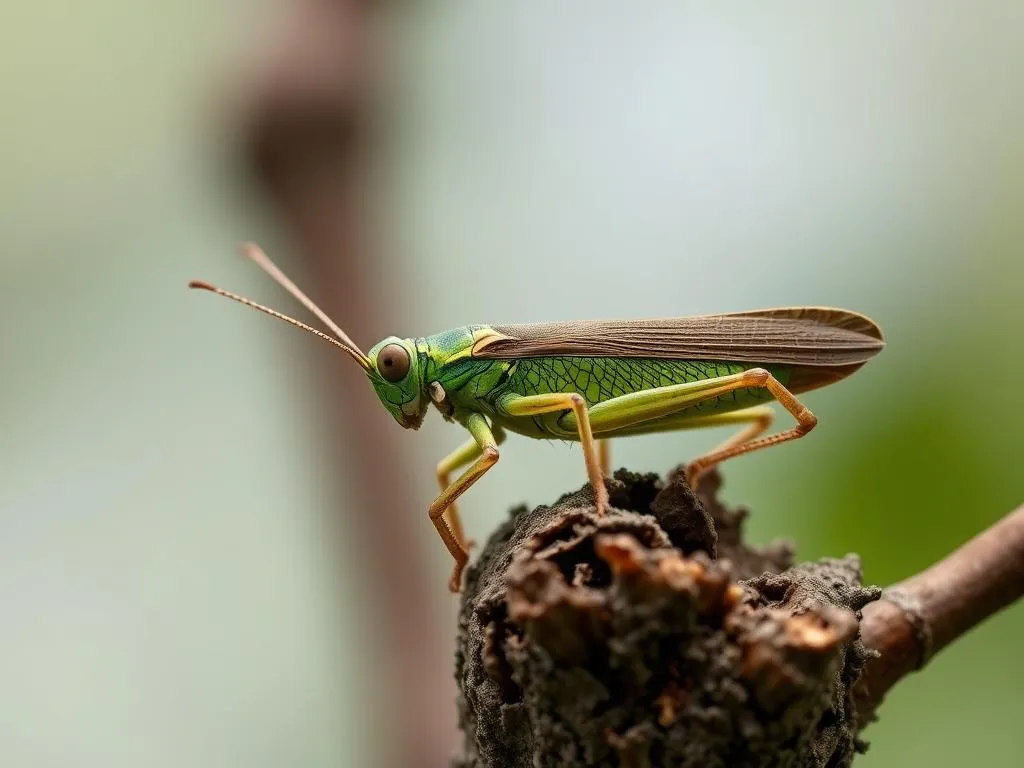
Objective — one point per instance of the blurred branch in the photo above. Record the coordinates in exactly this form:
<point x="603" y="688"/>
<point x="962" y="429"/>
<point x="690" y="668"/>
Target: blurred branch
<point x="311" y="101"/>
<point x="917" y="618"/>
<point x="307" y="138"/>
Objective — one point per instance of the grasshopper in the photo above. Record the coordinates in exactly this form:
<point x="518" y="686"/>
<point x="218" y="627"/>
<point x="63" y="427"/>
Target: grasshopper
<point x="594" y="380"/>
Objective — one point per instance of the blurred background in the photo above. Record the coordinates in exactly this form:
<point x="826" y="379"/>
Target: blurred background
<point x="214" y="549"/>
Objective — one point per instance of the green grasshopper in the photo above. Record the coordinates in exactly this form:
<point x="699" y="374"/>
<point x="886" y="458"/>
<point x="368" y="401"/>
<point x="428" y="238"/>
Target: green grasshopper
<point x="594" y="380"/>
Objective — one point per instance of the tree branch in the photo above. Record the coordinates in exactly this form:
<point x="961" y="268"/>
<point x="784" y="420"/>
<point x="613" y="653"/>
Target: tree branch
<point x="917" y="618"/>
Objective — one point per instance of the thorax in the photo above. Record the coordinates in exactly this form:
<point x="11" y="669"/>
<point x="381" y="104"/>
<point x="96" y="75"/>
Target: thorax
<point x="455" y="381"/>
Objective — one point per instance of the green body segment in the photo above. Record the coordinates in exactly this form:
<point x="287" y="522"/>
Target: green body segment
<point x="599" y="379"/>
<point x="479" y="385"/>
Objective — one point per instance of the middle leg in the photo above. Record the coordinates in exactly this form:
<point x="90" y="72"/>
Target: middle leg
<point x="757" y="418"/>
<point x="604" y="450"/>
<point x="536" y="405"/>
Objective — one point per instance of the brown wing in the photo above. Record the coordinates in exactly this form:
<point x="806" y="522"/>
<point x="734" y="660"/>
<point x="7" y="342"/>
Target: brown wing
<point x="798" y="336"/>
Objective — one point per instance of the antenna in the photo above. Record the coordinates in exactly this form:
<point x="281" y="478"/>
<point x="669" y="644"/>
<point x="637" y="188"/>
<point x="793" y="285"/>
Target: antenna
<point x="254" y="253"/>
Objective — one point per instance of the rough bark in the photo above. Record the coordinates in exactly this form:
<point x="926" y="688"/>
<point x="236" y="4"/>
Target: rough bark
<point x="654" y="636"/>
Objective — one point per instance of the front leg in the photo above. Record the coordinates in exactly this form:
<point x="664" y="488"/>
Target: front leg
<point x="487" y="446"/>
<point x="517" y="406"/>
<point x="461" y="456"/>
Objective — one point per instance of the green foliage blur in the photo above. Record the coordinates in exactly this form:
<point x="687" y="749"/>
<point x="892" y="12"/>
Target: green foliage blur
<point x="169" y="594"/>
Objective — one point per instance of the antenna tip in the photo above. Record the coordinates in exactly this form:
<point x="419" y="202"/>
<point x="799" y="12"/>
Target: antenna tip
<point x="201" y="285"/>
<point x="251" y="250"/>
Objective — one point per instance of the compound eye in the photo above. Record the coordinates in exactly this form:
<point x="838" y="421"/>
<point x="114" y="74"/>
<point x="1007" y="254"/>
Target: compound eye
<point x="393" y="362"/>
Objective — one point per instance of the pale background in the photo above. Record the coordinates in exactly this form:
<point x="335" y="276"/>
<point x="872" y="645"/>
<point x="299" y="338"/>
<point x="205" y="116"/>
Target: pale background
<point x="167" y="597"/>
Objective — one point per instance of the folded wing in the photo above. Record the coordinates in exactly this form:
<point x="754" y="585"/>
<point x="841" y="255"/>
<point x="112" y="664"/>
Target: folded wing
<point x="797" y="336"/>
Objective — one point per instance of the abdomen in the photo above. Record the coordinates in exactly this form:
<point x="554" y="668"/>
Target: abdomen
<point x="599" y="379"/>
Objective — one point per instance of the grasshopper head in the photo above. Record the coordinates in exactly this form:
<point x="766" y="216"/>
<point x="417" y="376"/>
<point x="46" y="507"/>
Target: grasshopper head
<point x="392" y="366"/>
<point x="395" y="375"/>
